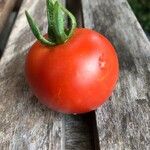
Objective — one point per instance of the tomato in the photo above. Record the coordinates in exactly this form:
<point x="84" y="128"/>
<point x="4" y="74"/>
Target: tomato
<point x="74" y="77"/>
<point x="70" y="70"/>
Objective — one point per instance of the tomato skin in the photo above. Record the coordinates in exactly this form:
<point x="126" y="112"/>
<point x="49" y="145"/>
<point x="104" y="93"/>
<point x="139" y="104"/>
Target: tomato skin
<point x="74" y="77"/>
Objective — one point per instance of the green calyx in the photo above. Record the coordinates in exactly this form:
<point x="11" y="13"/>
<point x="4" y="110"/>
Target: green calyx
<point x="57" y="32"/>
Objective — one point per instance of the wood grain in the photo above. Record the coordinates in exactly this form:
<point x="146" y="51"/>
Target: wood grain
<point x="123" y="122"/>
<point x="6" y="7"/>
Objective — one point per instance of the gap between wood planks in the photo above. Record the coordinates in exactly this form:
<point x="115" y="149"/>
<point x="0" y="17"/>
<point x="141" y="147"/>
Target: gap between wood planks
<point x="4" y="35"/>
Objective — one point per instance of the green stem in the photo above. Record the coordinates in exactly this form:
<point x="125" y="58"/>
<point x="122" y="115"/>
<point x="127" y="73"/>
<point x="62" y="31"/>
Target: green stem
<point x="36" y="31"/>
<point x="57" y="32"/>
<point x="50" y="9"/>
<point x="58" y="20"/>
<point x="73" y="21"/>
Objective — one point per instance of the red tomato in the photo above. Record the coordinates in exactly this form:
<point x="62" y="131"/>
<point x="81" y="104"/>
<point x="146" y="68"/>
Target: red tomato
<point x="75" y="77"/>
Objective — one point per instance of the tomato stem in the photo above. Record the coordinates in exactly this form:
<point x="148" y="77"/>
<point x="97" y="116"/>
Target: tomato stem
<point x="58" y="33"/>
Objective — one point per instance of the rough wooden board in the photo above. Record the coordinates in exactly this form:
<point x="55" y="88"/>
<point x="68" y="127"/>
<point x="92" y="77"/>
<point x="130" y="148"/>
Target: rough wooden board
<point x="6" y="7"/>
<point x="123" y="122"/>
<point x="24" y="123"/>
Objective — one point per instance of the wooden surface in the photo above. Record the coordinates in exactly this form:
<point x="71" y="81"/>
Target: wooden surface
<point x="6" y="7"/>
<point x="123" y="122"/>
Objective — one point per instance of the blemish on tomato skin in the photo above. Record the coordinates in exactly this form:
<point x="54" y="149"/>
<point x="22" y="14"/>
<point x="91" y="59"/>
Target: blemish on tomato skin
<point x="102" y="63"/>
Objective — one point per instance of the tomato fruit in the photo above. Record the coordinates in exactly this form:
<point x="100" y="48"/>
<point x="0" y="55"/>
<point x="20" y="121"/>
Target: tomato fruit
<point x="73" y="77"/>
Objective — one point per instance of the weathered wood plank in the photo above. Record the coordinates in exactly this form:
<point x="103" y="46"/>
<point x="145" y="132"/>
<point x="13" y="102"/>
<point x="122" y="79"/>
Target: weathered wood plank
<point x="6" y="7"/>
<point x="24" y="123"/>
<point x="123" y="122"/>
